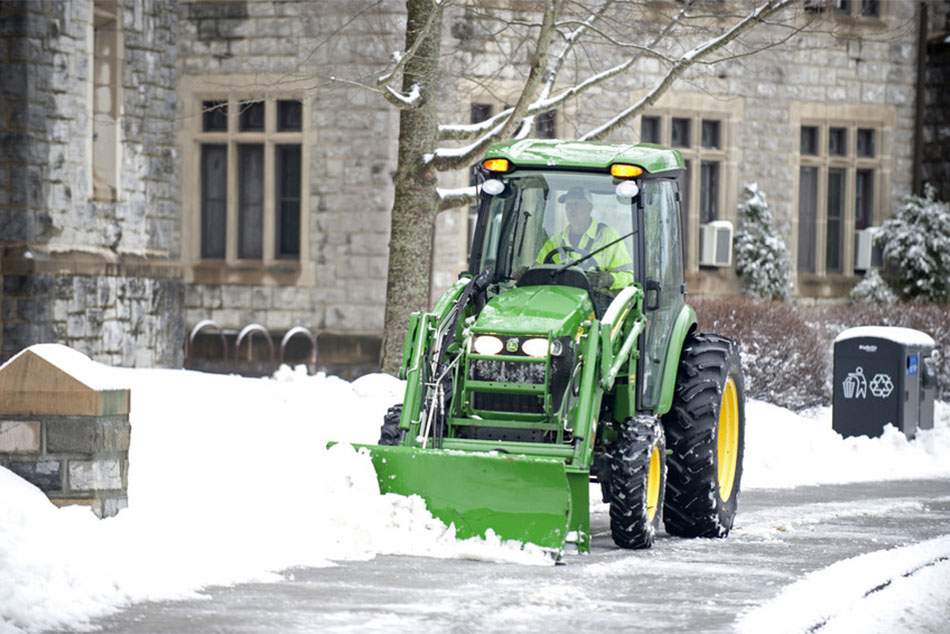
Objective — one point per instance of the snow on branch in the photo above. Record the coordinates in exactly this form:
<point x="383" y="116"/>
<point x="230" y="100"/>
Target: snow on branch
<point x="400" y="58"/>
<point x="455" y="132"/>
<point x="453" y="158"/>
<point x="459" y="197"/>
<point x="404" y="100"/>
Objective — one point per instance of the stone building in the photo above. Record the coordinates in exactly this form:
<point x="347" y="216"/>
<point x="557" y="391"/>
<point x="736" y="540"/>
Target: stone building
<point x="163" y="163"/>
<point x="90" y="203"/>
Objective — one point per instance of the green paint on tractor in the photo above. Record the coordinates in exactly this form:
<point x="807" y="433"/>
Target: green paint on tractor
<point x="565" y="356"/>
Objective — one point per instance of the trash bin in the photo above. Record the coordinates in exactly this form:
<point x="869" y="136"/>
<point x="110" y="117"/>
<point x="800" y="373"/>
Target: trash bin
<point x="883" y="375"/>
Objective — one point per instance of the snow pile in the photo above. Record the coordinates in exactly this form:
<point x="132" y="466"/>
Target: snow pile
<point x="784" y="449"/>
<point x="230" y="481"/>
<point x="899" y="590"/>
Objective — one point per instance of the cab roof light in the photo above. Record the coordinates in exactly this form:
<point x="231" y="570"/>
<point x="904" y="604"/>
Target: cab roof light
<point x="496" y="165"/>
<point x="621" y="170"/>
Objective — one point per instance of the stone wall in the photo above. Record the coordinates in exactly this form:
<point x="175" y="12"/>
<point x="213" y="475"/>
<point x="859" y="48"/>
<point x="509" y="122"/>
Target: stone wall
<point x="79" y="266"/>
<point x="125" y="320"/>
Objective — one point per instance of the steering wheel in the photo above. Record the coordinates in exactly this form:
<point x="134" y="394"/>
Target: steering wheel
<point x="549" y="258"/>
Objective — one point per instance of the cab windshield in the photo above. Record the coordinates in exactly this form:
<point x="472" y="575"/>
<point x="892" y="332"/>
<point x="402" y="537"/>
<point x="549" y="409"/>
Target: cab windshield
<point x="555" y="217"/>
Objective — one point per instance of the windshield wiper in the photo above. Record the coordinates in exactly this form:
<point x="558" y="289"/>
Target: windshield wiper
<point x="577" y="261"/>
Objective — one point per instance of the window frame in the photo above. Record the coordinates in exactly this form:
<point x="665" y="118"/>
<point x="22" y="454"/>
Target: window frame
<point x="272" y="265"/>
<point x="850" y="163"/>
<point x="698" y="110"/>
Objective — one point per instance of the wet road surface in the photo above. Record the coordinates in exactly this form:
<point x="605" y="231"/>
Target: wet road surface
<point x="680" y="585"/>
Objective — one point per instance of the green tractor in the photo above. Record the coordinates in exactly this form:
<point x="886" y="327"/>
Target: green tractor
<point x="567" y="355"/>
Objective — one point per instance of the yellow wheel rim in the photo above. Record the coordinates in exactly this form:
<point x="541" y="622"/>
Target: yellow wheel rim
<point x="728" y="439"/>
<point x="653" y="483"/>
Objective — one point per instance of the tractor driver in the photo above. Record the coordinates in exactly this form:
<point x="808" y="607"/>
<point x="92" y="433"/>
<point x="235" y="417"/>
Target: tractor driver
<point x="610" y="269"/>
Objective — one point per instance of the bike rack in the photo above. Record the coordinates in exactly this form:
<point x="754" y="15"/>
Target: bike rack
<point x="299" y="330"/>
<point x="201" y="325"/>
<point x="250" y="330"/>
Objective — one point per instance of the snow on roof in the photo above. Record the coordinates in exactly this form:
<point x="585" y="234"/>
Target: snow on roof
<point x="95" y="376"/>
<point x="906" y="336"/>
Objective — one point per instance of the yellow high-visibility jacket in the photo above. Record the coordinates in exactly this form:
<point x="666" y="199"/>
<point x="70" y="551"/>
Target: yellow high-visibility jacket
<point x="615" y="259"/>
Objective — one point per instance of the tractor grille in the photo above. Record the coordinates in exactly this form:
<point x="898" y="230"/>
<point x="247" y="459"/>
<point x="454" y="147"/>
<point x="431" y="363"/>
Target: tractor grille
<point x="519" y="372"/>
<point x="507" y="371"/>
<point x="521" y="403"/>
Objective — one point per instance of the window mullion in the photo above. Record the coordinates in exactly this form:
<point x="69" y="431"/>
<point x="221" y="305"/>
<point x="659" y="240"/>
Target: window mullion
<point x="270" y="193"/>
<point x="232" y="205"/>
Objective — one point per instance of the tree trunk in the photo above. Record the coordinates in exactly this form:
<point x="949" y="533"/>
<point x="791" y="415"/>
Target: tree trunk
<point x="416" y="202"/>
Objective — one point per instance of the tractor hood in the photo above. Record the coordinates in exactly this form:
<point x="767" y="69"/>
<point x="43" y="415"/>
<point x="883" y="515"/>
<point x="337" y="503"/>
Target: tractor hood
<point x="536" y="310"/>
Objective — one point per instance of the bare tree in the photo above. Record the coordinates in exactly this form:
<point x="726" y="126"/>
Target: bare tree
<point x="560" y="35"/>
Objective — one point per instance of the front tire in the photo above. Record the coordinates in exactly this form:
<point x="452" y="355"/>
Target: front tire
<point x="705" y="430"/>
<point x="389" y="433"/>
<point x="636" y="483"/>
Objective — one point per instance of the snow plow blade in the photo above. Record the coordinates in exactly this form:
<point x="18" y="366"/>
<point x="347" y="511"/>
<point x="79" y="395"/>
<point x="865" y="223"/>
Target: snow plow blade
<point x="520" y="498"/>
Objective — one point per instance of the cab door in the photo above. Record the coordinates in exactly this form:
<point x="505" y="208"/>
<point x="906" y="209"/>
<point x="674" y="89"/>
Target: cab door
<point x="663" y="281"/>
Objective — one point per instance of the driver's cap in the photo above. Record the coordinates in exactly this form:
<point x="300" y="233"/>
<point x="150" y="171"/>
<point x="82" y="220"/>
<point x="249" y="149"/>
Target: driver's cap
<point x="575" y="193"/>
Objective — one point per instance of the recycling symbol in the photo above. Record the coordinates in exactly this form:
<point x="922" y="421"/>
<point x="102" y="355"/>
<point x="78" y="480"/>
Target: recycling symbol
<point x="881" y="385"/>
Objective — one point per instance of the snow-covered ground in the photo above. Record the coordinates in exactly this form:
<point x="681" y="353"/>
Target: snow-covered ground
<point x="230" y="481"/>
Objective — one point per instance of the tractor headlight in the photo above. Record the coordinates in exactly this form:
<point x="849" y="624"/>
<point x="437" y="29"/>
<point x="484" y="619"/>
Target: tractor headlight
<point x="487" y="345"/>
<point x="535" y="347"/>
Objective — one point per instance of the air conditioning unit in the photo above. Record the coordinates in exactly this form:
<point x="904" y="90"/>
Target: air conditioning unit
<point x="715" y="243"/>
<point x="866" y="255"/>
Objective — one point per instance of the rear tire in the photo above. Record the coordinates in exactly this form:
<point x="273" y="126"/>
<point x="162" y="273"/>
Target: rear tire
<point x="705" y="431"/>
<point x="636" y="483"/>
<point x="389" y="433"/>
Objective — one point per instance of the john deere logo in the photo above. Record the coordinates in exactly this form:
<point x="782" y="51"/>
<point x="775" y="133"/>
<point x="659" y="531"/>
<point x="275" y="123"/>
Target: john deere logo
<point x="511" y="345"/>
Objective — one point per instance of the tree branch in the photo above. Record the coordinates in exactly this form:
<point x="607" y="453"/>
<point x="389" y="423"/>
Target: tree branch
<point x="401" y="57"/>
<point x="445" y="159"/>
<point x="451" y="198"/>
<point x="684" y="62"/>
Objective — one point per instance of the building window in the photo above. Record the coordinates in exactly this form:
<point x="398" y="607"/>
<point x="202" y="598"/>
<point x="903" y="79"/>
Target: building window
<point x="680" y="132"/>
<point x="709" y="191"/>
<point x="650" y="130"/>
<point x="251" y="178"/>
<point x="807" y="217"/>
<point x="865" y="143"/>
<point x="106" y="75"/>
<point x="809" y="142"/>
<point x="835" y="210"/>
<point x="214" y="199"/>
<point x="837" y="142"/>
<point x="547" y="125"/>
<point x="871" y="8"/>
<point x="863" y="198"/>
<point x="710" y="134"/>
<point x="836" y="193"/>
<point x="701" y="140"/>
<point x="845" y="8"/>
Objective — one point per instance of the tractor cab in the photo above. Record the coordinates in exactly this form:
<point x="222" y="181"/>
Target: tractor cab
<point x="594" y="217"/>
